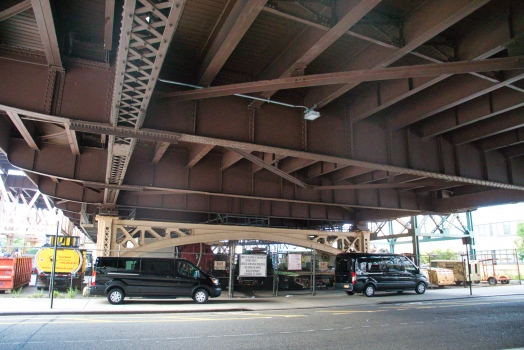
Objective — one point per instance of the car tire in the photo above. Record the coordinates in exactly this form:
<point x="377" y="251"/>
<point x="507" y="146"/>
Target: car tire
<point x="116" y="296"/>
<point x="492" y="281"/>
<point x="369" y="290"/>
<point x="200" y="296"/>
<point x="420" y="288"/>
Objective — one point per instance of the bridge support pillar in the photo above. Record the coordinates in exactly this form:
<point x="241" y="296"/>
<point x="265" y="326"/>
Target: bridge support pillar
<point x="106" y="240"/>
<point x="414" y="237"/>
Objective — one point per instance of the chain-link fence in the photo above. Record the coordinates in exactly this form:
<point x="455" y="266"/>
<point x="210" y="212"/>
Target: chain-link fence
<point x="264" y="271"/>
<point x="255" y="271"/>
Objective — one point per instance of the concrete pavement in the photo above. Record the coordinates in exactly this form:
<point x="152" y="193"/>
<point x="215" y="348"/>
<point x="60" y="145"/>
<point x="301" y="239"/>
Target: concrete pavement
<point x="16" y="305"/>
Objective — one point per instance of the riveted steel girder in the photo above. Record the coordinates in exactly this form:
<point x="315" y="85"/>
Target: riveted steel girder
<point x="348" y="77"/>
<point x="490" y="38"/>
<point x="418" y="28"/>
<point x="144" y="39"/>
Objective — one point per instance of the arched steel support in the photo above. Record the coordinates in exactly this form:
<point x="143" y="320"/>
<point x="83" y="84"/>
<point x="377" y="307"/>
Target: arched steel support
<point x="135" y="238"/>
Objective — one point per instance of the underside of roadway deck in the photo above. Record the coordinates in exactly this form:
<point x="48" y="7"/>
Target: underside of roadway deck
<point x="294" y="114"/>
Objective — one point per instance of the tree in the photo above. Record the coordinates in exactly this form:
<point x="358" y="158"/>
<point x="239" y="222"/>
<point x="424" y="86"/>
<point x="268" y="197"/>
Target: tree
<point x="519" y="242"/>
<point x="439" y="254"/>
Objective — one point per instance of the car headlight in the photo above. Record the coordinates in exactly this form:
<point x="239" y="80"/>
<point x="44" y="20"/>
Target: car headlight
<point x="215" y="281"/>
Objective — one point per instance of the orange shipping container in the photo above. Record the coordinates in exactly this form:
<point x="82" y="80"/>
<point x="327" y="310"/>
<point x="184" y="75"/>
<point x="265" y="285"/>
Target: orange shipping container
<point x="14" y="272"/>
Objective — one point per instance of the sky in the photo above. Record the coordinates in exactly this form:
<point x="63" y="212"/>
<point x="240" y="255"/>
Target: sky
<point x="509" y="212"/>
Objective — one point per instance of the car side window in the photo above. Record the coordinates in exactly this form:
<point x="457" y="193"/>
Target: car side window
<point x="371" y="264"/>
<point x="108" y="265"/>
<point x="394" y="264"/>
<point x="158" y="268"/>
<point x="188" y="270"/>
<point x="409" y="266"/>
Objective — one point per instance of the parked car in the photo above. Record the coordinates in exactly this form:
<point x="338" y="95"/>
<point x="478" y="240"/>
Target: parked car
<point x="370" y="272"/>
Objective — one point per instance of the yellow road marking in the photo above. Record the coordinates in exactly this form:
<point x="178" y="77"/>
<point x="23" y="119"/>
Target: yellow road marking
<point x="342" y="312"/>
<point x="185" y="319"/>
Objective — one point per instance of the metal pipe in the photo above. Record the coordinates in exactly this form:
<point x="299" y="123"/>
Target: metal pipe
<point x="239" y="95"/>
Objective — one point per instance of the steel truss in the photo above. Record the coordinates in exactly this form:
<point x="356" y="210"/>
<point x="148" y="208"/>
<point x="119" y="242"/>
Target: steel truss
<point x="21" y="216"/>
<point x="135" y="237"/>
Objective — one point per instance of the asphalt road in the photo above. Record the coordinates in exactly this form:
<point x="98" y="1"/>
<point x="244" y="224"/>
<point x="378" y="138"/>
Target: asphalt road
<point x="476" y="323"/>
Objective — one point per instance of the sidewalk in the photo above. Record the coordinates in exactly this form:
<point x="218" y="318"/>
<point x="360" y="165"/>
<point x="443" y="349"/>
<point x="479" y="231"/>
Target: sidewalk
<point x="292" y="300"/>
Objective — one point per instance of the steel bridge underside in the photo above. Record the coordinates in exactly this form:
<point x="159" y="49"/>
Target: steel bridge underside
<point x="421" y="108"/>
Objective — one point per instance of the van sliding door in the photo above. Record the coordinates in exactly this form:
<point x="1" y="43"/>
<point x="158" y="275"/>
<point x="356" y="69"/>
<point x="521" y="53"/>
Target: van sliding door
<point x="157" y="278"/>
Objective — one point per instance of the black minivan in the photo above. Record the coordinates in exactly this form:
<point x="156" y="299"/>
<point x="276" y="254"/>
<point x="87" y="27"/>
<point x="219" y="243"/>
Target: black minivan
<point x="370" y="272"/>
<point x="151" y="278"/>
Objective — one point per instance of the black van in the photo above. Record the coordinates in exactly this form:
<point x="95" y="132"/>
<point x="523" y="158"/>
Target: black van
<point x="370" y="272"/>
<point x="151" y="278"/>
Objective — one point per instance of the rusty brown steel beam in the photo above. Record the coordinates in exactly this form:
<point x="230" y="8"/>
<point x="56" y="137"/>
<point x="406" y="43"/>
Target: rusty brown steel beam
<point x="450" y="93"/>
<point x="348" y="172"/>
<point x="482" y="43"/>
<point x="197" y="152"/>
<point x="379" y="215"/>
<point x="92" y="184"/>
<point x="420" y="26"/>
<point x="152" y="191"/>
<point x="98" y="128"/>
<point x="373" y="177"/>
<point x="266" y="166"/>
<point x="377" y="186"/>
<point x="326" y="28"/>
<point x="347" y="77"/>
<point x="160" y="149"/>
<point x="73" y="142"/>
<point x="229" y="158"/>
<point x="156" y="135"/>
<point x="15" y="10"/>
<point x="502" y="140"/>
<point x="514" y="151"/>
<point x="69" y="190"/>
<point x="108" y="24"/>
<point x="443" y="186"/>
<point x="130" y="101"/>
<point x="268" y="158"/>
<point x="477" y="200"/>
<point x="322" y="168"/>
<point x="240" y="19"/>
<point x="26" y="134"/>
<point x="311" y="43"/>
<point x="123" y="131"/>
<point x="46" y="27"/>
<point x="485" y="128"/>
<point x="290" y="164"/>
<point x="487" y="106"/>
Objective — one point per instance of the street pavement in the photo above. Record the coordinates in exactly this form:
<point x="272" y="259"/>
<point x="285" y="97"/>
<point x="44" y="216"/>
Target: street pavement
<point x="22" y="304"/>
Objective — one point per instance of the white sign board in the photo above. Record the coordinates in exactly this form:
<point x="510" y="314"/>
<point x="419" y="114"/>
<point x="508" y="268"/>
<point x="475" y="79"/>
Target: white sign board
<point x="220" y="265"/>
<point x="322" y="265"/>
<point x="294" y="262"/>
<point x="253" y="265"/>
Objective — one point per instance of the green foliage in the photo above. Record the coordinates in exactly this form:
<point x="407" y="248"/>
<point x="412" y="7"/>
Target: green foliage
<point x="519" y="242"/>
<point x="72" y="293"/>
<point x="15" y="293"/>
<point x="38" y="294"/>
<point x="438" y="254"/>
